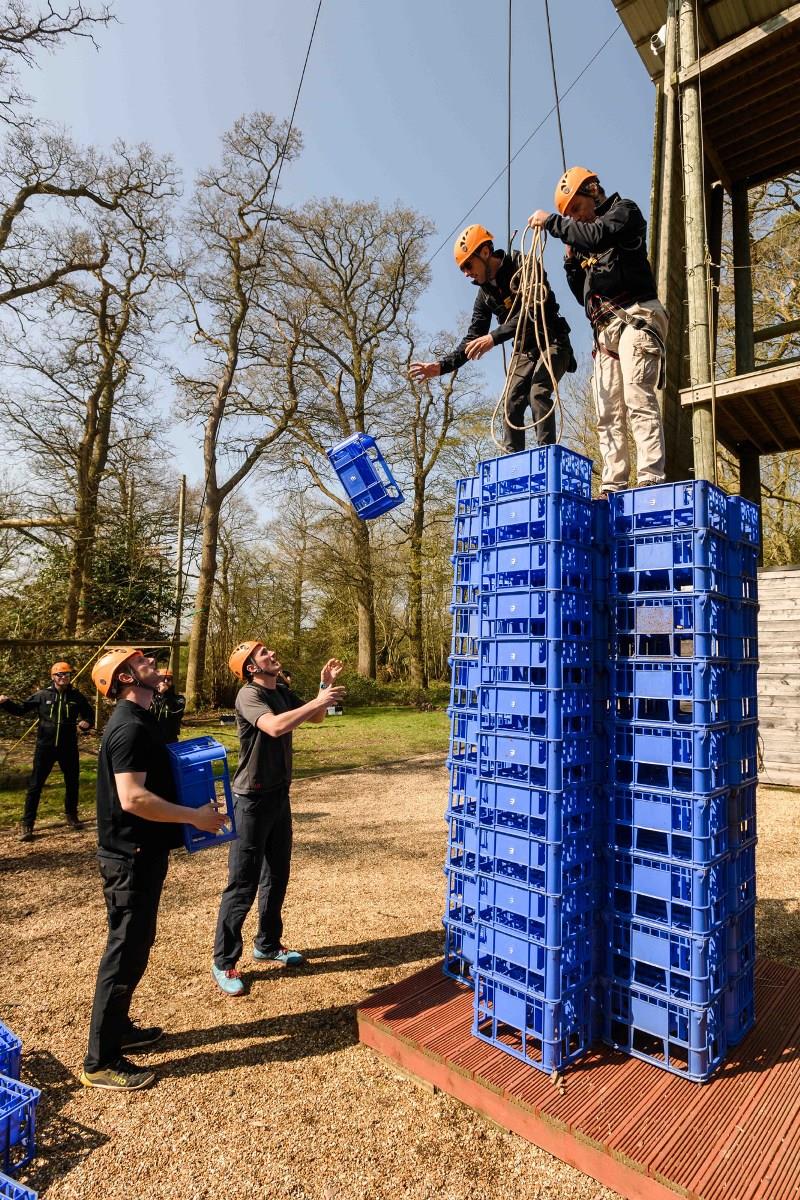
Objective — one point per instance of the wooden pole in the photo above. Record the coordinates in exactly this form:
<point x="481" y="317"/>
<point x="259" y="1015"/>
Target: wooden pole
<point x="175" y="656"/>
<point x="692" y="136"/>
<point x="38" y="523"/>
<point x="749" y="458"/>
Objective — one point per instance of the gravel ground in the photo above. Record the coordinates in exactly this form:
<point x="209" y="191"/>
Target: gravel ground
<point x="270" y="1095"/>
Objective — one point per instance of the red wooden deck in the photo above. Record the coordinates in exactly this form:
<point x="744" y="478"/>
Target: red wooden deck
<point x="645" y="1133"/>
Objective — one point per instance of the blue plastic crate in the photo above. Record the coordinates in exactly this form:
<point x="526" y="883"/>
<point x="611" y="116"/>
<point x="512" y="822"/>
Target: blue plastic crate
<point x="540" y="762"/>
<point x="545" y="1035"/>
<point x="535" y="473"/>
<point x="692" y="561"/>
<point x="461" y="898"/>
<point x="365" y="476"/>
<point x="666" y="758"/>
<point x="464" y="643"/>
<point x="684" y="626"/>
<point x="10" y="1052"/>
<point x="686" y="828"/>
<point x="744" y="524"/>
<point x="743" y="753"/>
<point x="462" y="844"/>
<point x="463" y="736"/>
<point x="545" y="971"/>
<point x="550" y="518"/>
<point x="676" y="1037"/>
<point x="695" y="504"/>
<point x="740" y="939"/>
<point x="11" y="1190"/>
<point x="690" y="692"/>
<point x="17" y="1123"/>
<point x="741" y="815"/>
<point x="552" y="565"/>
<point x="460" y="949"/>
<point x="465" y="680"/>
<point x="200" y="769"/>
<point x="535" y="613"/>
<point x="666" y="961"/>
<point x="467" y="534"/>
<point x="740" y="1014"/>
<point x="542" y="918"/>
<point x="537" y="812"/>
<point x="536" y="662"/>
<point x="468" y="496"/>
<point x="741" y="879"/>
<point x="539" y="712"/>
<point x="693" y="899"/>
<point x="545" y="866"/>
<point x="463" y="791"/>
<point x="743" y="563"/>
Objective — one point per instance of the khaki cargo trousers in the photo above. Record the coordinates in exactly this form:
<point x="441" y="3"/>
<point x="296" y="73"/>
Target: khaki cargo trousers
<point x="626" y="369"/>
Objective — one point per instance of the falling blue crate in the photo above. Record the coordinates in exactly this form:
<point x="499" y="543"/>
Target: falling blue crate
<point x="200" y="770"/>
<point x="10" y="1052"/>
<point x="365" y="476"/>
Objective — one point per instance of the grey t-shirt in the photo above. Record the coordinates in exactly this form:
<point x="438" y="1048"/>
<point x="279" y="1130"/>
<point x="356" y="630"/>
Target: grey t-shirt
<point x="265" y="763"/>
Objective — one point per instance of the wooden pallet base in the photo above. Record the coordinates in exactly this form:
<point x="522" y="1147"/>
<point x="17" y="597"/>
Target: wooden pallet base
<point x="643" y="1132"/>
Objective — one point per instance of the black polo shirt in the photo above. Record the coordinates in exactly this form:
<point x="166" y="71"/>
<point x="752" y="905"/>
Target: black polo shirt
<point x="265" y="763"/>
<point x="133" y="742"/>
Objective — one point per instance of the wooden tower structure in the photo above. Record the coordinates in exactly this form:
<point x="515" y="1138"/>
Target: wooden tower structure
<point x="727" y="77"/>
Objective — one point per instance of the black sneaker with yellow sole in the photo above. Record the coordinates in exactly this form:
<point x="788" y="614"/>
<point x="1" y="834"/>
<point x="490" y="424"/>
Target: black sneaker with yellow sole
<point x="119" y="1076"/>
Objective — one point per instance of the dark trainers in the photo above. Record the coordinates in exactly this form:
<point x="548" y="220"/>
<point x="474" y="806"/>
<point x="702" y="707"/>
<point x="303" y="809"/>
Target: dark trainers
<point x="228" y="979"/>
<point x="73" y="821"/>
<point x="25" y="832"/>
<point x="139" y="1037"/>
<point x="282" y="956"/>
<point x="120" y="1076"/>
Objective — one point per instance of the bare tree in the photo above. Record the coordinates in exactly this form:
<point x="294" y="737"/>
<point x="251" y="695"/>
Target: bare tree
<point x="353" y="274"/>
<point x="83" y="364"/>
<point x="229" y="262"/>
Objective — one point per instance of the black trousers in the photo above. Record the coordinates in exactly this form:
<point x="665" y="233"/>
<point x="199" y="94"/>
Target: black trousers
<point x="132" y="888"/>
<point x="530" y="384"/>
<point x="44" y="759"/>
<point x="258" y="861"/>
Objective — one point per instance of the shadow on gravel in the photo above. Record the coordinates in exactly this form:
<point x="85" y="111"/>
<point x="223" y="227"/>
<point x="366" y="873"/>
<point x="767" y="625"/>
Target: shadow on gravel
<point x="778" y="930"/>
<point x="382" y="952"/>
<point x="61" y="1144"/>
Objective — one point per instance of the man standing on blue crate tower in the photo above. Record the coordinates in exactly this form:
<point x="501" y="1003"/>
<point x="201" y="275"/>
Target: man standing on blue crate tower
<point x="496" y="274"/>
<point x="138" y="823"/>
<point x="259" y="860"/>
<point x="609" y="273"/>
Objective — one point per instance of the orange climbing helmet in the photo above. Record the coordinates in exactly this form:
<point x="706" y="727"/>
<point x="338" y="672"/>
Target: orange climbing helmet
<point x="570" y="184"/>
<point x="240" y="656"/>
<point x="60" y="668"/>
<point x="107" y="665"/>
<point x="469" y="241"/>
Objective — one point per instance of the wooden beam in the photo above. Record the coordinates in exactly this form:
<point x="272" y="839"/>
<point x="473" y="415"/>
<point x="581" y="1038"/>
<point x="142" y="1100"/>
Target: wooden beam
<point x="742" y="280"/>
<point x="10" y="642"/>
<point x="750" y="40"/>
<point x="774" y="331"/>
<point x="772" y="437"/>
<point x="790" y="421"/>
<point x="753" y="382"/>
<point x="40" y="523"/>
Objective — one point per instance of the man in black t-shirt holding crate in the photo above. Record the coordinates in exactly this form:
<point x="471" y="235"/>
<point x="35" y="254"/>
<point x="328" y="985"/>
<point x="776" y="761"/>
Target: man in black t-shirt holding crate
<point x="138" y="823"/>
<point x="260" y="858"/>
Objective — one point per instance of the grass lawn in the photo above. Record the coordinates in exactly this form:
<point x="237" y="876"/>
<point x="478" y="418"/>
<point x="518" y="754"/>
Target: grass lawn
<point x="362" y="737"/>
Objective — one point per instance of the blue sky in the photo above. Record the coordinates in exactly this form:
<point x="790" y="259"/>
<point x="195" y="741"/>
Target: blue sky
<point x="401" y="102"/>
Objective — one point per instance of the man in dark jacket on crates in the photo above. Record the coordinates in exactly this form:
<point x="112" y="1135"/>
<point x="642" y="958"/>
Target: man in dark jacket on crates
<point x="496" y="274"/>
<point x="260" y="858"/>
<point x="62" y="710"/>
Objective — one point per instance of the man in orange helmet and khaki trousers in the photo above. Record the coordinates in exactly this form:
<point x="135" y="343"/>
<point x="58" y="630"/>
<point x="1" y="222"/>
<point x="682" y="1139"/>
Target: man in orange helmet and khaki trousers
<point x="138" y="823"/>
<point x="609" y="274"/>
<point x="259" y="860"/>
<point x="496" y="274"/>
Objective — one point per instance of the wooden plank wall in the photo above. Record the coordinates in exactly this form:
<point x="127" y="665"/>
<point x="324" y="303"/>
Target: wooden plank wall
<point x="779" y="674"/>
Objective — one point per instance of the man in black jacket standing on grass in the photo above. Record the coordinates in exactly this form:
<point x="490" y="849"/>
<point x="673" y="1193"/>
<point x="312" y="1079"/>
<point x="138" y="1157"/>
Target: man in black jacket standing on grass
<point x="496" y="274"/>
<point x="62" y="711"/>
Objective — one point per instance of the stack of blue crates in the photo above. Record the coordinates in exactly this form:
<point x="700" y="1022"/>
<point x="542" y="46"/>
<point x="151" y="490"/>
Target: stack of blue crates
<point x="532" y="954"/>
<point x="460" y="920"/>
<point x="18" y="1103"/>
<point x="680" y="727"/>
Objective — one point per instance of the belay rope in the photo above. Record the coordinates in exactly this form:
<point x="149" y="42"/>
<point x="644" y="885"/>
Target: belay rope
<point x="531" y="298"/>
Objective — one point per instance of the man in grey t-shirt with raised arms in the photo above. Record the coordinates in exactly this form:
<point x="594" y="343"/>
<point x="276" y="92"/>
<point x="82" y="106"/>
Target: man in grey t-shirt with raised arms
<point x="260" y="858"/>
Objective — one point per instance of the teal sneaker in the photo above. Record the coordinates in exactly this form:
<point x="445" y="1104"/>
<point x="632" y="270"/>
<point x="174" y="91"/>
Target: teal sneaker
<point x="228" y="979"/>
<point x="281" y="956"/>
